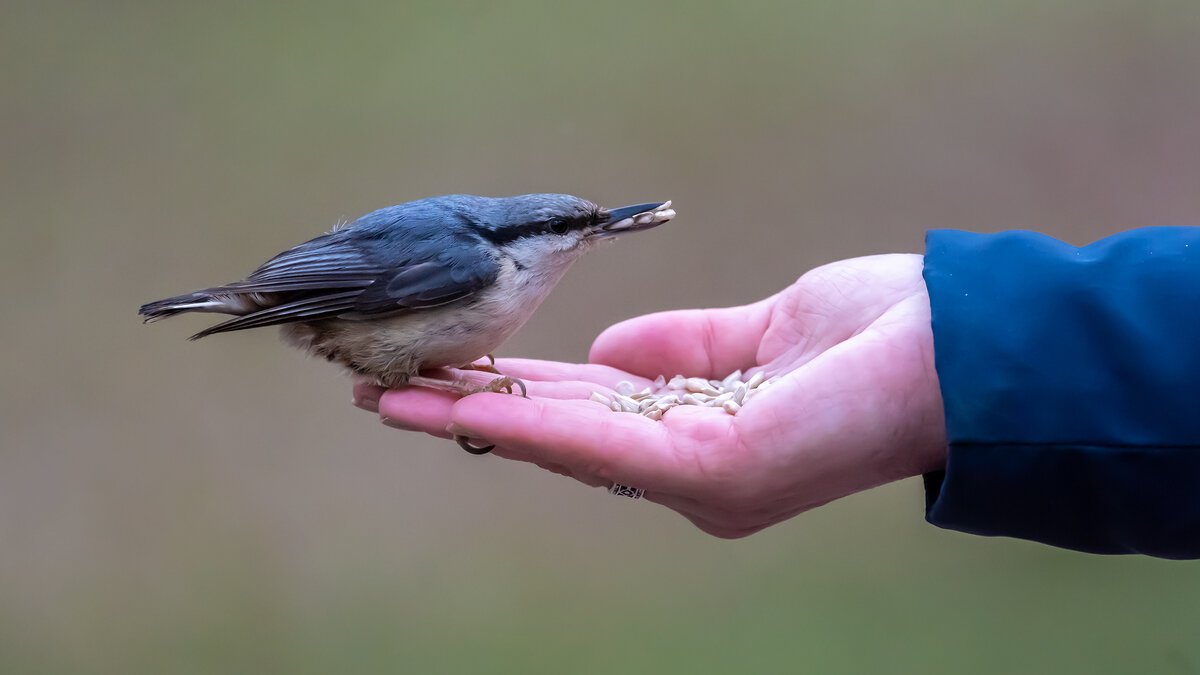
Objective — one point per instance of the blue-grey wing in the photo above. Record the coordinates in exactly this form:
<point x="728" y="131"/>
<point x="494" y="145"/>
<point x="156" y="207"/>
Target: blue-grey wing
<point x="330" y="261"/>
<point x="317" y="279"/>
<point x="455" y="272"/>
<point x="306" y="288"/>
<point x="389" y="262"/>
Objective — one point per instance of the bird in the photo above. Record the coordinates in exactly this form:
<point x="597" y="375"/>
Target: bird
<point x="436" y="283"/>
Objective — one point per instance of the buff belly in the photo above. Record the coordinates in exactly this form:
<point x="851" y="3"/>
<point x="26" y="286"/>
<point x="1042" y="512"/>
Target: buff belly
<point x="389" y="351"/>
<point x="392" y="350"/>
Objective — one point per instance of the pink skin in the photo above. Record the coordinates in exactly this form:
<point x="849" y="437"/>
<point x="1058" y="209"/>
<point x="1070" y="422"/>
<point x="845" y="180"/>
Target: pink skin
<point x="856" y="404"/>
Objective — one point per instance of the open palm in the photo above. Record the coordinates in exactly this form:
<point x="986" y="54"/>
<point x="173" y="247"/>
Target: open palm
<point x="856" y="403"/>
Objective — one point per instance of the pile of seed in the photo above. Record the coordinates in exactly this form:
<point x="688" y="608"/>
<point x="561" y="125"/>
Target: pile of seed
<point x="729" y="394"/>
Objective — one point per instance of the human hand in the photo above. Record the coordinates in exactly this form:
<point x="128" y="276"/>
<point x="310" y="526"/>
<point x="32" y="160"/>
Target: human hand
<point x="856" y="403"/>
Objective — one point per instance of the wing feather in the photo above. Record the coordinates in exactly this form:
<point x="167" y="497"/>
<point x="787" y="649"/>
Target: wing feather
<point x="352" y="275"/>
<point x="308" y="309"/>
<point x="452" y="275"/>
<point x="331" y="258"/>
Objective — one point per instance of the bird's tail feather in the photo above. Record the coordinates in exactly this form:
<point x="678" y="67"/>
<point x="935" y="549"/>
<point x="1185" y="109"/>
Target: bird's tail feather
<point x="192" y="302"/>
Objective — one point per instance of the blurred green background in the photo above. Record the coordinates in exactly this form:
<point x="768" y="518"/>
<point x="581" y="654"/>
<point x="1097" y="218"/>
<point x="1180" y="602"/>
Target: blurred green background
<point x="219" y="507"/>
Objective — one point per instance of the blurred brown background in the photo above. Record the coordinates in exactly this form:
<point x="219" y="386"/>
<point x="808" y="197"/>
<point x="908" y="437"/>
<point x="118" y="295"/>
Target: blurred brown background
<point x="219" y="507"/>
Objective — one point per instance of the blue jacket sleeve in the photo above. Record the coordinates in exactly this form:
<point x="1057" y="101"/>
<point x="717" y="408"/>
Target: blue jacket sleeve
<point x="1071" y="383"/>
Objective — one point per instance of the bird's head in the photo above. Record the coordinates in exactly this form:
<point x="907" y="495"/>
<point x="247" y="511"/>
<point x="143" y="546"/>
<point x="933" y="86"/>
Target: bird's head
<point x="558" y="226"/>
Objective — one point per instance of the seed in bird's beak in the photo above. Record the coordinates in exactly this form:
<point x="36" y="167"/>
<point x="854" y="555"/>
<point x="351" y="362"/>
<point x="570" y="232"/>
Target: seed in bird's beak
<point x="637" y="218"/>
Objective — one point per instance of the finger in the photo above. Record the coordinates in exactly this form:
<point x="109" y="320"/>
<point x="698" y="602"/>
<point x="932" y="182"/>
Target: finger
<point x="417" y="409"/>
<point x="573" y="390"/>
<point x="580" y="435"/>
<point x="366" y="395"/>
<point x="428" y="410"/>
<point x="560" y="390"/>
<point x="533" y="369"/>
<point x="693" y="342"/>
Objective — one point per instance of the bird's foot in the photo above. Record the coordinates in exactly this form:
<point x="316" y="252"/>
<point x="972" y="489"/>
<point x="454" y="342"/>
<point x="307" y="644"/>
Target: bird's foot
<point x="503" y="385"/>
<point x="464" y="387"/>
<point x="499" y="385"/>
<point x="465" y="444"/>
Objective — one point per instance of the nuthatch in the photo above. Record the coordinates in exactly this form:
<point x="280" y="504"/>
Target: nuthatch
<point x="433" y="283"/>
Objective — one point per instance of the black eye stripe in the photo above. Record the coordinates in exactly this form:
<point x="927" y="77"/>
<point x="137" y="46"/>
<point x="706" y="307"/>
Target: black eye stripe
<point x="579" y="222"/>
<point x="507" y="235"/>
<point x="510" y="233"/>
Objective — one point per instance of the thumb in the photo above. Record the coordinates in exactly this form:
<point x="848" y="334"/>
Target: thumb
<point x="693" y="342"/>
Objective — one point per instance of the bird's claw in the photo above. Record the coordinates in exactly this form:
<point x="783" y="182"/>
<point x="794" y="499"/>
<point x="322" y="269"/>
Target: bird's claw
<point x="504" y="385"/>
<point x="465" y="444"/>
<point x="499" y="385"/>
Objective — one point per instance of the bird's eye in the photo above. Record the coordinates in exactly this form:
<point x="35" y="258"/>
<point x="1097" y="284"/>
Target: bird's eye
<point x="557" y="225"/>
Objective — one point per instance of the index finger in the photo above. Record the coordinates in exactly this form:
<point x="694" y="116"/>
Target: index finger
<point x="692" y="342"/>
<point x="592" y="440"/>
<point x="557" y="371"/>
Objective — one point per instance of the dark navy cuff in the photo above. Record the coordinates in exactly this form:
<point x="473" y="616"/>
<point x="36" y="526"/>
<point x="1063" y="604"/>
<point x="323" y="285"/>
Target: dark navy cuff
<point x="1071" y="382"/>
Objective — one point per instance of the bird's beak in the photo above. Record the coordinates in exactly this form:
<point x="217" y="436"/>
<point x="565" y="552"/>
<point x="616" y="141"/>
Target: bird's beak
<point x="634" y="218"/>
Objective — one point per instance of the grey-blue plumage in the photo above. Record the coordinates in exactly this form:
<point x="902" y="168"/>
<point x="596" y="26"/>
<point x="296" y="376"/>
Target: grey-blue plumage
<point x="430" y="283"/>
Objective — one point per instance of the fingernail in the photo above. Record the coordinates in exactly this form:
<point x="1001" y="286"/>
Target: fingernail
<point x="366" y="403"/>
<point x="459" y="430"/>
<point x="397" y="424"/>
